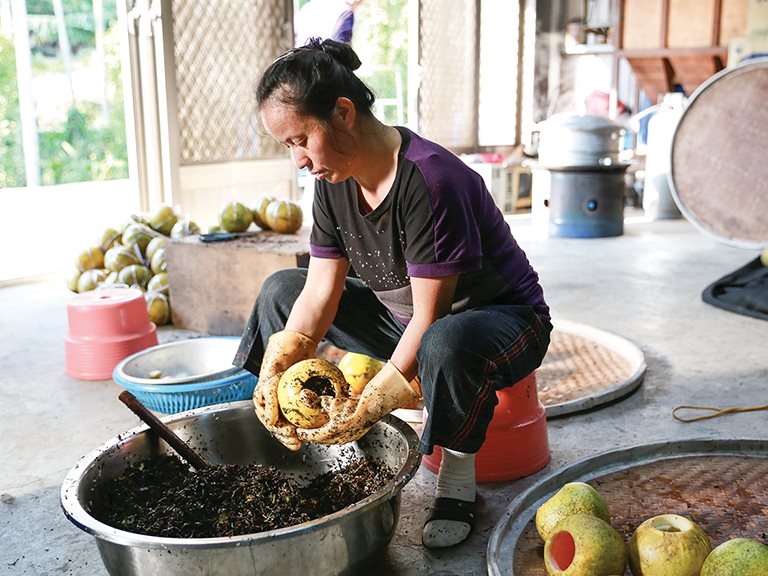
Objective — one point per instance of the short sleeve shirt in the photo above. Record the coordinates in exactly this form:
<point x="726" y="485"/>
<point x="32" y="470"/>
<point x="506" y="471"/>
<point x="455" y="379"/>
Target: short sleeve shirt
<point x="437" y="220"/>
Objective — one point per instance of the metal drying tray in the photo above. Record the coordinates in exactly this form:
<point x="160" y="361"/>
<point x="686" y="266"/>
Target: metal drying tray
<point x="512" y="525"/>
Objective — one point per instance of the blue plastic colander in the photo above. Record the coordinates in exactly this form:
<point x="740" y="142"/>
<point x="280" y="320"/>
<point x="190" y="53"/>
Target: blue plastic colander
<point x="192" y="374"/>
<point x="172" y="398"/>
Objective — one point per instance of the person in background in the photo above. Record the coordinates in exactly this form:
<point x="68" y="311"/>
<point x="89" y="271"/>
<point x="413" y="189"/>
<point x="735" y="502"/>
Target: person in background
<point x="443" y="293"/>
<point x="326" y="19"/>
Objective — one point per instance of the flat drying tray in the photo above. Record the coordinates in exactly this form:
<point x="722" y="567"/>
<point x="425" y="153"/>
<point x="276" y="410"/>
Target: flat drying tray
<point x="722" y="485"/>
<point x="586" y="367"/>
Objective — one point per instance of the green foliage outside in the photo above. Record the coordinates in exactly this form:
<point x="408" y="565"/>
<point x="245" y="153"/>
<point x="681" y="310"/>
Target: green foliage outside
<point x="11" y="153"/>
<point x="381" y="39"/>
<point x="85" y="147"/>
<point x="83" y="150"/>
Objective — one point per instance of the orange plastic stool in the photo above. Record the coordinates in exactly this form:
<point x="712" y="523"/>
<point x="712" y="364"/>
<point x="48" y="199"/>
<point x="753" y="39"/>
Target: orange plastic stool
<point x="516" y="444"/>
<point x="105" y="326"/>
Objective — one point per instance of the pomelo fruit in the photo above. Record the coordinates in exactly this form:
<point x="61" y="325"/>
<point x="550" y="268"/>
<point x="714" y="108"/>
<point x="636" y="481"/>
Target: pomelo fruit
<point x="259" y="211"/>
<point x="72" y="278"/>
<point x="90" y="258"/>
<point x="159" y="283"/>
<point x="358" y="370"/>
<point x="572" y="498"/>
<point x="185" y="227"/>
<point x="90" y="279"/>
<point x="284" y="216"/>
<point x="118" y="257"/>
<point x="737" y="557"/>
<point x="138" y="234"/>
<point x="154" y="245"/>
<point x="159" y="263"/>
<point x="301" y="387"/>
<point x="159" y="308"/>
<point x="235" y="217"/>
<point x="135" y="275"/>
<point x="163" y="220"/>
<point x="584" y="545"/>
<point x="668" y="545"/>
<point x="109" y="238"/>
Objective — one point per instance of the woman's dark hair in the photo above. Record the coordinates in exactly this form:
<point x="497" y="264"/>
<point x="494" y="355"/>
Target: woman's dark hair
<point x="311" y="78"/>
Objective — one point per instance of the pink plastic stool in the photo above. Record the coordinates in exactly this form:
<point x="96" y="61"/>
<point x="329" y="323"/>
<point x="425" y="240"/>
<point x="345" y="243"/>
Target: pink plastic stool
<point x="516" y="444"/>
<point x="105" y="326"/>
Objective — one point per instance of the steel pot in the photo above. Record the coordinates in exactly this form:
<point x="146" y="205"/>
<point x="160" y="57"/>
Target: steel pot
<point x="340" y="543"/>
<point x="573" y="140"/>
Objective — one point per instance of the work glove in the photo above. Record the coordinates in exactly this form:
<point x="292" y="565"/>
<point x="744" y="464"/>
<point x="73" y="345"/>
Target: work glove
<point x="284" y="349"/>
<point x="350" y="419"/>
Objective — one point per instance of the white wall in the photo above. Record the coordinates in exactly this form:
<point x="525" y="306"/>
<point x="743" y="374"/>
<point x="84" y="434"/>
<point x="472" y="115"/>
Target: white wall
<point x="42" y="229"/>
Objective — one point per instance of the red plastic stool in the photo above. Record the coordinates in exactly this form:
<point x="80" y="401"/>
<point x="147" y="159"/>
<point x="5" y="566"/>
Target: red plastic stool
<point x="516" y="444"/>
<point x="105" y="326"/>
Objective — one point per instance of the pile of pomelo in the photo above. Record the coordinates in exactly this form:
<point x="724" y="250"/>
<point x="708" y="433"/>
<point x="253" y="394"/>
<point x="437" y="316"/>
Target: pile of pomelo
<point x="579" y="541"/>
<point x="134" y="255"/>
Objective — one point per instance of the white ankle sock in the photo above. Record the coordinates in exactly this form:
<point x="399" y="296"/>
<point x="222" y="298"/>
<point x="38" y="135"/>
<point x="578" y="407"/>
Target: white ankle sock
<point x="455" y="479"/>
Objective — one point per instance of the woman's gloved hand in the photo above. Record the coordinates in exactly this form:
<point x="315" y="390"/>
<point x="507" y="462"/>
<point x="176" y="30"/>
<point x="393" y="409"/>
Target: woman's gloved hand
<point x="351" y="419"/>
<point x="284" y="349"/>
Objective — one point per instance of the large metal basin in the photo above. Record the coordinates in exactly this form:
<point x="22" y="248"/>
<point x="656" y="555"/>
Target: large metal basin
<point x="340" y="543"/>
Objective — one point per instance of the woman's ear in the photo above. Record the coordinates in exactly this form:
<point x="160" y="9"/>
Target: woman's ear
<point x="345" y="111"/>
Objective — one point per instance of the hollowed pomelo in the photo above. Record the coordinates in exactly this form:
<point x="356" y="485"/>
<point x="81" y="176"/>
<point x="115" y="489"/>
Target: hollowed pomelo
<point x="584" y="545"/>
<point x="301" y="388"/>
<point x="668" y="545"/>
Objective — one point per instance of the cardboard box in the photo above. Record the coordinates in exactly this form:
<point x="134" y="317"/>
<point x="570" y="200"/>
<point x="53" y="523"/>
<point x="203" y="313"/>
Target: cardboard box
<point x="742" y="47"/>
<point x="214" y="285"/>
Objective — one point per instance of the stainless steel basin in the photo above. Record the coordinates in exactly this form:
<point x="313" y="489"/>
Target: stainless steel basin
<point x="194" y="360"/>
<point x="340" y="543"/>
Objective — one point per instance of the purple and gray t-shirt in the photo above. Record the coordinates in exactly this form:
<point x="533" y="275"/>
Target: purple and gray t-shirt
<point x="437" y="220"/>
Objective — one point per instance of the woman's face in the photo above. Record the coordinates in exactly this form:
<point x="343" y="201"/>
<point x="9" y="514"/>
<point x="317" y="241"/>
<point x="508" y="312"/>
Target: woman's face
<point x="310" y="141"/>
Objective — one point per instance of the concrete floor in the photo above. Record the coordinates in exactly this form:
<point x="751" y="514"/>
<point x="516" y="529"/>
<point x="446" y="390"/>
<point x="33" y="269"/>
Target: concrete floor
<point x="644" y="285"/>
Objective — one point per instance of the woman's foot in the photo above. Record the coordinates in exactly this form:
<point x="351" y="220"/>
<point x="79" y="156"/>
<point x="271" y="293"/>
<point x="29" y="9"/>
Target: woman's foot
<point x="452" y="514"/>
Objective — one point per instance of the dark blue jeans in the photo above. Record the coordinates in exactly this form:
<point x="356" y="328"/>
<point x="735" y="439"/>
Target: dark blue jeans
<point x="463" y="357"/>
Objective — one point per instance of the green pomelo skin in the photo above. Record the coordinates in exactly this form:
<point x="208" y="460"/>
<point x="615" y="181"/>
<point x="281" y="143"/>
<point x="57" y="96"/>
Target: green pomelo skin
<point x="668" y="545"/>
<point x="572" y="498"/>
<point x="154" y="245"/>
<point x="258" y="211"/>
<point x="737" y="557"/>
<point x="118" y="257"/>
<point x="163" y="220"/>
<point x="584" y="545"/>
<point x="235" y="217"/>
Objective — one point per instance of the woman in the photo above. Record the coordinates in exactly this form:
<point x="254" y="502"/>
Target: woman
<point x="443" y="292"/>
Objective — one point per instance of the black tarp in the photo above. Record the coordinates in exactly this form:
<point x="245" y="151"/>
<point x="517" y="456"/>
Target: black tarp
<point x="744" y="291"/>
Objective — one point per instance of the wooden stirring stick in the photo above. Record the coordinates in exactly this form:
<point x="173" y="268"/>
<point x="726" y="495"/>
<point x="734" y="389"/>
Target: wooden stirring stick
<point x="181" y="447"/>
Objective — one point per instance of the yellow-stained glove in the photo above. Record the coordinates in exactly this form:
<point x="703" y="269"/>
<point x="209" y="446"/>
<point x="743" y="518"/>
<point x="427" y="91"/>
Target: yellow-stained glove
<point x="350" y="419"/>
<point x="284" y="349"/>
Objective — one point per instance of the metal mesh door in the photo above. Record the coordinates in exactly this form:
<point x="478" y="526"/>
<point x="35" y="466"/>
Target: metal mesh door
<point x="220" y="49"/>
<point x="447" y="101"/>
